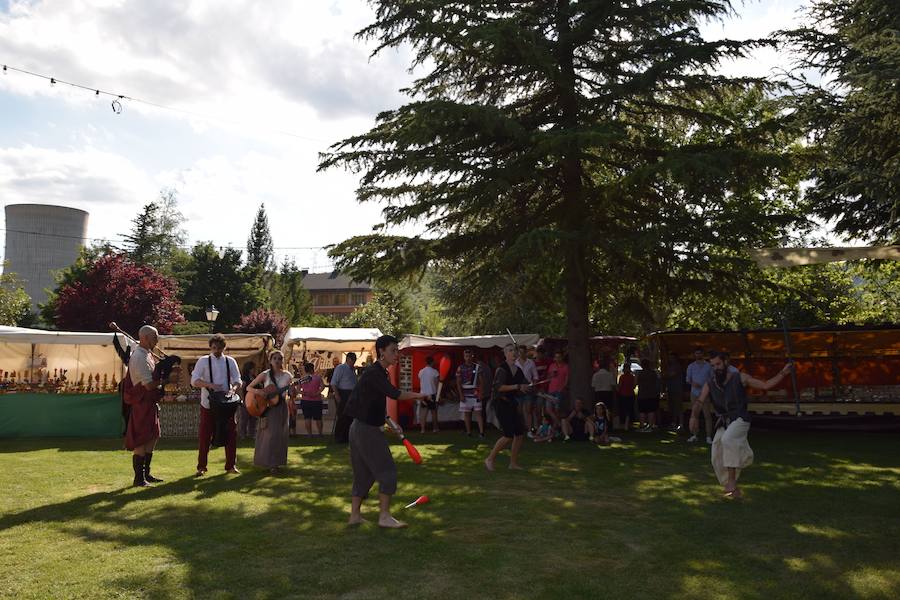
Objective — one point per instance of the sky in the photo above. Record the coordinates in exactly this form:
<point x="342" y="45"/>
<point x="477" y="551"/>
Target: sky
<point x="253" y="91"/>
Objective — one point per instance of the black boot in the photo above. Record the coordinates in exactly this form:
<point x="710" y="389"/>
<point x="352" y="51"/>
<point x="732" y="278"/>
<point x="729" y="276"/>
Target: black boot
<point x="138" y="463"/>
<point x="147" y="476"/>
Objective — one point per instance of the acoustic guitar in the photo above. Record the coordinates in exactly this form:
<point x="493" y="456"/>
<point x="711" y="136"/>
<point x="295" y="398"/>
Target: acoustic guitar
<point x="257" y="400"/>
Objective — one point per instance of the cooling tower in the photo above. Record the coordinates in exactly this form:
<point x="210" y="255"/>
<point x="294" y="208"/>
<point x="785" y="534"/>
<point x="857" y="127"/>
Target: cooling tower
<point x="40" y="239"/>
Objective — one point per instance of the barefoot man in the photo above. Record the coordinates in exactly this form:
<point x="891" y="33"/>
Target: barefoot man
<point x="370" y="456"/>
<point x="730" y="450"/>
<point x="509" y="382"/>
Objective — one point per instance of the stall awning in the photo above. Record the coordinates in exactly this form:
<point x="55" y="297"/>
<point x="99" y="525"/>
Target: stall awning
<point x="22" y="335"/>
<point x="238" y="345"/>
<point x="472" y="341"/>
<point x="330" y="339"/>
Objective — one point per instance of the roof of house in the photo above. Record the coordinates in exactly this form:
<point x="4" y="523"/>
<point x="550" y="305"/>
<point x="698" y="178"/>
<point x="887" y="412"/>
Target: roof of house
<point x="333" y="281"/>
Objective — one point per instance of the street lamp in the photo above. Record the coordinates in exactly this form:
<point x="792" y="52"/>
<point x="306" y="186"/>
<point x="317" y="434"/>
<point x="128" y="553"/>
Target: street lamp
<point x="211" y="315"/>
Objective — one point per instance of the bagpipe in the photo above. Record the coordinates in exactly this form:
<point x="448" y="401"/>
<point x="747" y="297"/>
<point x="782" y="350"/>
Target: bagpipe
<point x="165" y="363"/>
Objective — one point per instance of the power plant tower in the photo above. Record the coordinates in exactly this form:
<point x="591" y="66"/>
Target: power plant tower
<point x="40" y="239"/>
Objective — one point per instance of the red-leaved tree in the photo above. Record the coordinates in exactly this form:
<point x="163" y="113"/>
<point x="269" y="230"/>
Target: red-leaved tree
<point x="264" y="320"/>
<point x="112" y="288"/>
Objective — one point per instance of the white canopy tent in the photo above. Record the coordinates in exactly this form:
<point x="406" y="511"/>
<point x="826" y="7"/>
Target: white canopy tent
<point x="472" y="341"/>
<point x="238" y="345"/>
<point x="321" y="341"/>
<point x="36" y="355"/>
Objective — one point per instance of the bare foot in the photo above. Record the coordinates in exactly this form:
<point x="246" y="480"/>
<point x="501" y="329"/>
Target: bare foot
<point x="489" y="465"/>
<point x="356" y="520"/>
<point x="735" y="493"/>
<point x="516" y="467"/>
<point x="390" y="522"/>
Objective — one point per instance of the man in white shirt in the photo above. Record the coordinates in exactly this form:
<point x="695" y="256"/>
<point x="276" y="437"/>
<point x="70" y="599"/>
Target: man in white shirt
<point x="604" y="383"/>
<point x="216" y="373"/>
<point x="527" y="406"/>
<point x="428" y="383"/>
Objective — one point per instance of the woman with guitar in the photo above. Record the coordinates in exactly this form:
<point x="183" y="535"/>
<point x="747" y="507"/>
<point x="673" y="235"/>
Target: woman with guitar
<point x="272" y="431"/>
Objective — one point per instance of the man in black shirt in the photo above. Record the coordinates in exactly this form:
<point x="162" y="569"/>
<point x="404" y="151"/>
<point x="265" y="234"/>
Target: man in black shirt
<point x="509" y="381"/>
<point x="370" y="456"/>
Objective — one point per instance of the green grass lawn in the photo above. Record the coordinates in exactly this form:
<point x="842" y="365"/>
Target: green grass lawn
<point x="821" y="519"/>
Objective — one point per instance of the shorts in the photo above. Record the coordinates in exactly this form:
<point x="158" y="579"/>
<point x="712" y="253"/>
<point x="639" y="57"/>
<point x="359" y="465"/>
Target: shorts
<point x="508" y="417"/>
<point x="312" y="409"/>
<point x="371" y="460"/>
<point x="648" y="405"/>
<point x="429" y="402"/>
<point x="468" y="404"/>
<point x="554" y="399"/>
<point x="529" y="400"/>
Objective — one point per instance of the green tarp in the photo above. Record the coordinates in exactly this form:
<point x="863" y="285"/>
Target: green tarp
<point x="60" y="415"/>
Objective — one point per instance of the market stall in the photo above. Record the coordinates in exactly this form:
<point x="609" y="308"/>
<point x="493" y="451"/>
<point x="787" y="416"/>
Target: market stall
<point x="180" y="405"/>
<point x="327" y="347"/>
<point x="322" y="345"/>
<point x="58" y="383"/>
<point x="841" y="370"/>
<point x="414" y="349"/>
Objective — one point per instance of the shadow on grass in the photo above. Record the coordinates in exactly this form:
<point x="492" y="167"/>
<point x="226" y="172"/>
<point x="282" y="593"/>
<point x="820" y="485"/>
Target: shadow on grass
<point x="813" y="524"/>
<point x="643" y="519"/>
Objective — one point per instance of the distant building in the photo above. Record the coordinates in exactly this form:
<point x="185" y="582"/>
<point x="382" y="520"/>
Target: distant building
<point x="335" y="294"/>
<point x="42" y="239"/>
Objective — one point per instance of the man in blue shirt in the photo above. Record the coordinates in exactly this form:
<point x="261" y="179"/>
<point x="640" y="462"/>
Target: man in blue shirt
<point x="698" y="373"/>
<point x="342" y="382"/>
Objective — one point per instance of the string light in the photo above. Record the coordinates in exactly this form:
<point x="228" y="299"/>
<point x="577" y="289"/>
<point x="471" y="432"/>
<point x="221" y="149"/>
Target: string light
<point x="117" y="105"/>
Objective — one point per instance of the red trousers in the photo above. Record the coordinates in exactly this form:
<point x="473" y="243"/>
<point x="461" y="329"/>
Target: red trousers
<point x="207" y="429"/>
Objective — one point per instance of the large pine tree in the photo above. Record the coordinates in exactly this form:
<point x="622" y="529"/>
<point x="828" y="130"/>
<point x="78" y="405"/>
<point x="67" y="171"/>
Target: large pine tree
<point x="852" y="108"/>
<point x="538" y="131"/>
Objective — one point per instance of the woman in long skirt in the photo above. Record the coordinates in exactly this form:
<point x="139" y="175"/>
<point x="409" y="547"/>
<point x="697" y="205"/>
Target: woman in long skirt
<point x="272" y="429"/>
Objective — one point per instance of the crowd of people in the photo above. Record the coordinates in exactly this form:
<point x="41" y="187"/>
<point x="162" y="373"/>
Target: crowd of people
<point x="627" y="397"/>
<point x="528" y="398"/>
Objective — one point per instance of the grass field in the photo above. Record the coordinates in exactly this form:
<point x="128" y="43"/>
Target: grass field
<point x="821" y="519"/>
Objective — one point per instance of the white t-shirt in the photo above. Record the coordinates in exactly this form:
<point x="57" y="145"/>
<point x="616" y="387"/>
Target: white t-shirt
<point x="428" y="380"/>
<point x="529" y="369"/>
<point x="603" y="381"/>
<point x="219" y="374"/>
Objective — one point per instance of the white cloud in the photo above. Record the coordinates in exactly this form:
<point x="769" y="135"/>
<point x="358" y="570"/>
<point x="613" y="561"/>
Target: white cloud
<point x="218" y="195"/>
<point x="206" y="56"/>
<point x="86" y="177"/>
<point x="248" y="69"/>
<point x="756" y="19"/>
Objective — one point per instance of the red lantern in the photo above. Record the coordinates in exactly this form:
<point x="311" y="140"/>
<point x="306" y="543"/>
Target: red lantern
<point x="444" y="368"/>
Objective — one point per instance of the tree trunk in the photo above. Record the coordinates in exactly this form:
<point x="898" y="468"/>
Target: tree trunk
<point x="574" y="218"/>
<point x="577" y="326"/>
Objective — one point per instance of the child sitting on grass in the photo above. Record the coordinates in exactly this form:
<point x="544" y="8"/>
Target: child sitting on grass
<point x="600" y="424"/>
<point x="545" y="431"/>
<point x="576" y="426"/>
